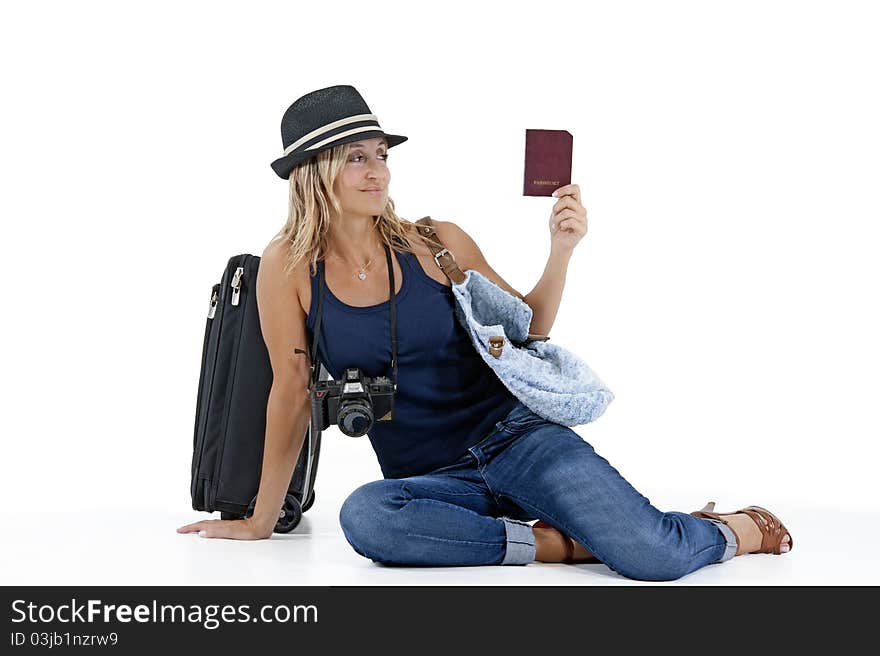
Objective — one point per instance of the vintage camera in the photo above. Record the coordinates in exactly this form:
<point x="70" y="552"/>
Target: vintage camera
<point x="352" y="403"/>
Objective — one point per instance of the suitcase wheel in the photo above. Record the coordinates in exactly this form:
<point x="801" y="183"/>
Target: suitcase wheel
<point x="290" y="515"/>
<point x="309" y="501"/>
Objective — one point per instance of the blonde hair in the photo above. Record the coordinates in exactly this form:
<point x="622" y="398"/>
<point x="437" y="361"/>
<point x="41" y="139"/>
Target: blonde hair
<point x="312" y="205"/>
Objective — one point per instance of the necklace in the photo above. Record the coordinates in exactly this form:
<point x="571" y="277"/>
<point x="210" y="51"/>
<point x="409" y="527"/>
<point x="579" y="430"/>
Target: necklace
<point x="362" y="272"/>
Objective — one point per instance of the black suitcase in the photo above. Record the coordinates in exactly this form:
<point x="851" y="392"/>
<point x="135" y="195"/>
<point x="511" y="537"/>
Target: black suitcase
<point x="230" y="423"/>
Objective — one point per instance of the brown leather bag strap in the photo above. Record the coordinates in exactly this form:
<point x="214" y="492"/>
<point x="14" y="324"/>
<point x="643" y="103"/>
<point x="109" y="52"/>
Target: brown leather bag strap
<point x="442" y="256"/>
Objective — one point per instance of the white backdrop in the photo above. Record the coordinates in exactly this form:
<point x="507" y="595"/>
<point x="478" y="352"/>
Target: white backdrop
<point x="726" y="290"/>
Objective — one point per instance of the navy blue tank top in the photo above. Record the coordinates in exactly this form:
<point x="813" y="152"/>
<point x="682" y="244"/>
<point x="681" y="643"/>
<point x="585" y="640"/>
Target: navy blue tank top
<point x="447" y="398"/>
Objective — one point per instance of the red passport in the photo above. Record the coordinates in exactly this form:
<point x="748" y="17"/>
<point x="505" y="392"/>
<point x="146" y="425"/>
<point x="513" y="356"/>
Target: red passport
<point x="548" y="161"/>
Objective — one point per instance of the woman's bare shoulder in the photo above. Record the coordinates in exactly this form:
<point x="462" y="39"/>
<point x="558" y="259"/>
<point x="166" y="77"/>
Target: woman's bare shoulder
<point x="274" y="262"/>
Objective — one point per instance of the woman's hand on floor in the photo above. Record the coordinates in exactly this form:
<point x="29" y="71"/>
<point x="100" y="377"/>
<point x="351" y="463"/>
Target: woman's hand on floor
<point x="235" y="529"/>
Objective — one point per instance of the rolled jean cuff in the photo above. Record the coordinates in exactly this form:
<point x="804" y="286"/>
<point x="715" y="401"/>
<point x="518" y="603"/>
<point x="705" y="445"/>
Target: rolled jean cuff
<point x="729" y="535"/>
<point x="520" y="542"/>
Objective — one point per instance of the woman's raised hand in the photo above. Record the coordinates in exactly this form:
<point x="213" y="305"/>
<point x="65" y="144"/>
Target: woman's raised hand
<point x="568" y="219"/>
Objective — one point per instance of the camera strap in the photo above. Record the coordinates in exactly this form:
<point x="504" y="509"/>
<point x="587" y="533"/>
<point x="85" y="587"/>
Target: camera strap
<point x="313" y="358"/>
<point x="314" y="362"/>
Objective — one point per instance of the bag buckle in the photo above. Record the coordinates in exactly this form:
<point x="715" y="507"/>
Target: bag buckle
<point x="437" y="255"/>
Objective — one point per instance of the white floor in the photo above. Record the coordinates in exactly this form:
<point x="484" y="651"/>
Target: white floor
<point x="143" y="548"/>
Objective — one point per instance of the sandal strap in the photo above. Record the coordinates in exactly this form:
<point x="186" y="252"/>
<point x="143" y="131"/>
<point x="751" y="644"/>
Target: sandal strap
<point x="772" y="529"/>
<point x="705" y="514"/>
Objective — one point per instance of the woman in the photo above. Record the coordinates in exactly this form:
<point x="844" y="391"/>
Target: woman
<point x="466" y="465"/>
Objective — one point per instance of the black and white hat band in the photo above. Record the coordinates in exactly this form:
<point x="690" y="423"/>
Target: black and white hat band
<point x="373" y="125"/>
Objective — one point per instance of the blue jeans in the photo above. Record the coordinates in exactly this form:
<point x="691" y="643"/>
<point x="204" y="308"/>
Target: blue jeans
<point x="475" y="510"/>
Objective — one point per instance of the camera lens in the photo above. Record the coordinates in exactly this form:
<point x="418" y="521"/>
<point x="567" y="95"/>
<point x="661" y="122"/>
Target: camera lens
<point x="354" y="417"/>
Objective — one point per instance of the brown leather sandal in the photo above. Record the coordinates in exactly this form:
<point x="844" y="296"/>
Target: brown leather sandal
<point x="570" y="544"/>
<point x="772" y="530"/>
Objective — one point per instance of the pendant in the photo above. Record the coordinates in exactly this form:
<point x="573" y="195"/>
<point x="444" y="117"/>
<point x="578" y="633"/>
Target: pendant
<point x="362" y="275"/>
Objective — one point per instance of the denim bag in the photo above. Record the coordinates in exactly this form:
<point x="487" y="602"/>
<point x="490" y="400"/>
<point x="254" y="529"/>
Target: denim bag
<point x="551" y="381"/>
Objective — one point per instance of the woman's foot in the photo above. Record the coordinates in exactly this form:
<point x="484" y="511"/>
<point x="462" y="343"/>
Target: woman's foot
<point x="748" y="535"/>
<point x="757" y="530"/>
<point x="553" y="546"/>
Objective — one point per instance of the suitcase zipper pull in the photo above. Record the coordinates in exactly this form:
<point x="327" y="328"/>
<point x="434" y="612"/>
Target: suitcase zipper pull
<point x="214" y="297"/>
<point x="236" y="284"/>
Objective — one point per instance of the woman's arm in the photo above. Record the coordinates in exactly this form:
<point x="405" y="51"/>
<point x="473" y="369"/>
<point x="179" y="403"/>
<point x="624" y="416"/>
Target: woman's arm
<point x="287" y="419"/>
<point x="288" y="410"/>
<point x="544" y="299"/>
